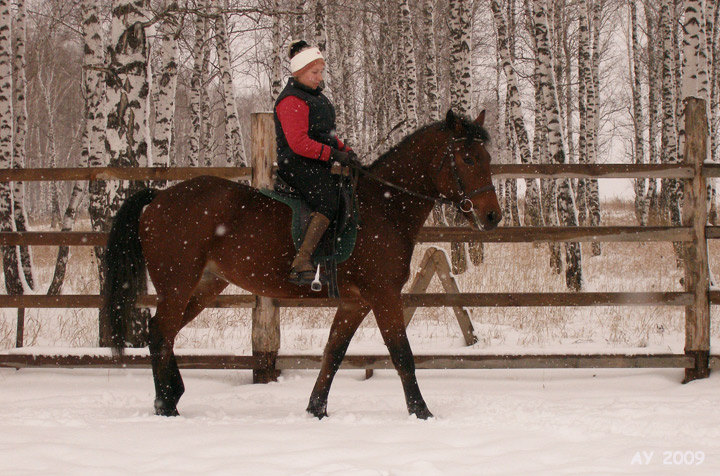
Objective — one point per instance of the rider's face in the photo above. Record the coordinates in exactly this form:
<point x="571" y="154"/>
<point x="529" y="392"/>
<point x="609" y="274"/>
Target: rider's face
<point x="312" y="76"/>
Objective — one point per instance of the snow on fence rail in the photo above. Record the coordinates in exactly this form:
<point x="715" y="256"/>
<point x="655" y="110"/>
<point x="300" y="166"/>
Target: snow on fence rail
<point x="265" y="360"/>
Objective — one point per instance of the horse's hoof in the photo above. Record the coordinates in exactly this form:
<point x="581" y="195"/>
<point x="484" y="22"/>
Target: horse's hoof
<point x="317" y="412"/>
<point x="422" y="414"/>
<point x="163" y="409"/>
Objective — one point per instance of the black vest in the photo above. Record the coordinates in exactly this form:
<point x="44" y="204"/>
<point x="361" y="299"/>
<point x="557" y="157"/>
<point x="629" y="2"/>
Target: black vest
<point x="321" y="119"/>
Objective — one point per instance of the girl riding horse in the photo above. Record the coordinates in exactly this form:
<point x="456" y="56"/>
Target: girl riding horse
<point x="306" y="141"/>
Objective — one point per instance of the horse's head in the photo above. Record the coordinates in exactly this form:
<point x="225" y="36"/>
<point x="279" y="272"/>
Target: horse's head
<point x="464" y="174"/>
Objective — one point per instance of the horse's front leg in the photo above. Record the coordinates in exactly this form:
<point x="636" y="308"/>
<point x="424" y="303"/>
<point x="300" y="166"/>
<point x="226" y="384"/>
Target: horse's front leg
<point x="347" y="319"/>
<point x="388" y="311"/>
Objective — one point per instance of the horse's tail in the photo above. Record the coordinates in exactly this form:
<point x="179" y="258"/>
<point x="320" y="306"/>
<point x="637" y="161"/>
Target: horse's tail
<point x="124" y="266"/>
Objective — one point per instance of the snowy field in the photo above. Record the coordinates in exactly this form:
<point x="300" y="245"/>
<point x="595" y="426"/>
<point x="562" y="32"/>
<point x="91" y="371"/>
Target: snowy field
<point x="515" y="422"/>
<point x="99" y="422"/>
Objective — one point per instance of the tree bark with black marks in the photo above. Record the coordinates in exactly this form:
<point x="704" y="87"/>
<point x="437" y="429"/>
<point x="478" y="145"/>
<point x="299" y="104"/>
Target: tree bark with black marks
<point x="565" y="198"/>
<point x="19" y="137"/>
<point x="126" y="139"/>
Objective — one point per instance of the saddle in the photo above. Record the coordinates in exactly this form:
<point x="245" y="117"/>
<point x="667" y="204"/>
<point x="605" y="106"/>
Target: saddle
<point x="338" y="242"/>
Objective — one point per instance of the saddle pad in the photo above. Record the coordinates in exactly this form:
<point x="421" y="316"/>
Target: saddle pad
<point x="300" y="219"/>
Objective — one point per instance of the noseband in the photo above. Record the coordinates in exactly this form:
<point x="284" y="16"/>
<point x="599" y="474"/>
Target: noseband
<point x="465" y="198"/>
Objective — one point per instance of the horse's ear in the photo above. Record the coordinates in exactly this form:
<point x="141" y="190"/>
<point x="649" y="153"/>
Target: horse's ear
<point x="452" y="121"/>
<point x="480" y="119"/>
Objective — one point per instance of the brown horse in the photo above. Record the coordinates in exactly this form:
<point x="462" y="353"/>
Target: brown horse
<point x="199" y="235"/>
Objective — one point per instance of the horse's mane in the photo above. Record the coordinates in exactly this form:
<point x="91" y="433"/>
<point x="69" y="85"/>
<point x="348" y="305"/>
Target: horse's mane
<point x="471" y="131"/>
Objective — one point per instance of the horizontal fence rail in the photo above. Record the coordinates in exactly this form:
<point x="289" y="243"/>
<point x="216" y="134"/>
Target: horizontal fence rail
<point x="299" y="362"/>
<point x="427" y="235"/>
<point x="514" y="299"/>
<point x="680" y="171"/>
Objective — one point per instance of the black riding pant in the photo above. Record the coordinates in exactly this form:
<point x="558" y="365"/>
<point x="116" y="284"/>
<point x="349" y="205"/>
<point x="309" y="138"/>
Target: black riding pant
<point x="312" y="178"/>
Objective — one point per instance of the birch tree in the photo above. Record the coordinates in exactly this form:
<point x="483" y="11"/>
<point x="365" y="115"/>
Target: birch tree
<point x="460" y="101"/>
<point x="565" y="198"/>
<point x="126" y="138"/>
<point x="652" y="203"/>
<point x="713" y="36"/>
<point x="410" y="71"/>
<point x="166" y="86"/>
<point x="10" y="255"/>
<point x="233" y="138"/>
<point x="584" y="129"/>
<point x="46" y="85"/>
<point x="196" y="148"/>
<point x="533" y="216"/>
<point x="276" y="54"/>
<point x="93" y="146"/>
<point x="669" y="127"/>
<point x="638" y="119"/>
<point x="430" y="69"/>
<point x="19" y="137"/>
<point x="593" y="119"/>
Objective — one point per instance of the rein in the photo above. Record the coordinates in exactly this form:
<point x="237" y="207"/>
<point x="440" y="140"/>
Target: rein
<point x="465" y="197"/>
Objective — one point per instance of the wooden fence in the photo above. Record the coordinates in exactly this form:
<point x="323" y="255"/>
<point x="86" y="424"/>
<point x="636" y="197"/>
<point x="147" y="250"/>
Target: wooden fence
<point x="265" y="361"/>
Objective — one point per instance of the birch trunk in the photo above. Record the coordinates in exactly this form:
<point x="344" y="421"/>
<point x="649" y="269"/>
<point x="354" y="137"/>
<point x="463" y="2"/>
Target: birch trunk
<point x="669" y="130"/>
<point x="13" y="283"/>
<point x="166" y="86"/>
<point x="713" y="35"/>
<point x="695" y="77"/>
<point x="277" y="51"/>
<point x="195" y="150"/>
<point x="430" y="71"/>
<point x="234" y="146"/>
<point x="127" y="93"/>
<point x="584" y="77"/>
<point x="410" y="70"/>
<point x="638" y="119"/>
<point x="565" y="199"/>
<point x="460" y="101"/>
<point x="593" y="192"/>
<point x="93" y="149"/>
<point x="654" y="93"/>
<point x="321" y="36"/>
<point x="298" y="21"/>
<point x="695" y="70"/>
<point x="63" y="255"/>
<point x="20" y="134"/>
<point x="46" y="85"/>
<point x="533" y="216"/>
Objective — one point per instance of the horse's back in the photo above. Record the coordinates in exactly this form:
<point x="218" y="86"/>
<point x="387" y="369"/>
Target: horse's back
<point x="210" y="219"/>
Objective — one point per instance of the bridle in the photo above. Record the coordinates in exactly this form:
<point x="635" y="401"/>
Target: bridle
<point x="465" y="197"/>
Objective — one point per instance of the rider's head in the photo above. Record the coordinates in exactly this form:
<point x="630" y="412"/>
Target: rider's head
<point x="306" y="64"/>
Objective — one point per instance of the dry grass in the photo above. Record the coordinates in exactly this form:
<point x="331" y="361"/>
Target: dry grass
<point x="507" y="268"/>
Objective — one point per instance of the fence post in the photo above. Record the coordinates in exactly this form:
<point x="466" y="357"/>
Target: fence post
<point x="265" y="315"/>
<point x="697" y="279"/>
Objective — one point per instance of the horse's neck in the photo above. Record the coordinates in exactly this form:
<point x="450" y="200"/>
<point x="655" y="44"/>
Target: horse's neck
<point x="408" y="168"/>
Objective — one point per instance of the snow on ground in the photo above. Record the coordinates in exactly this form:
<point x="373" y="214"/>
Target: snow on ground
<point x="586" y="421"/>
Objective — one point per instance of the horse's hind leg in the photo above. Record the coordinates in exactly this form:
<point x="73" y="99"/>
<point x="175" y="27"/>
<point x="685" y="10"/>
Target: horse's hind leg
<point x="389" y="316"/>
<point x="164" y="327"/>
<point x="347" y="319"/>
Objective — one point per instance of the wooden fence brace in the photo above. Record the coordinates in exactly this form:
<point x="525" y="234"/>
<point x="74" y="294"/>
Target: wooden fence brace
<point x="265" y="315"/>
<point x="697" y="279"/>
<point x="435" y="262"/>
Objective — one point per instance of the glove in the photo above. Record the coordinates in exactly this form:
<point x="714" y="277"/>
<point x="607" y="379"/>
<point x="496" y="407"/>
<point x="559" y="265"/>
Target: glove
<point x="346" y="158"/>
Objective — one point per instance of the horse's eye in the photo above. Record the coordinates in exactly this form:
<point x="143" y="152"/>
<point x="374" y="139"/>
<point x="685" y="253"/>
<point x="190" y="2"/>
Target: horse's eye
<point x="468" y="160"/>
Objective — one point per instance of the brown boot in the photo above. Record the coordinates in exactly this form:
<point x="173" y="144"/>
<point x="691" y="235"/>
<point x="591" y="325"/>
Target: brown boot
<point x="302" y="271"/>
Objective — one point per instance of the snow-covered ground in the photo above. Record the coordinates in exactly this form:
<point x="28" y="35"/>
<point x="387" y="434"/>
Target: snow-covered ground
<point x="99" y="422"/>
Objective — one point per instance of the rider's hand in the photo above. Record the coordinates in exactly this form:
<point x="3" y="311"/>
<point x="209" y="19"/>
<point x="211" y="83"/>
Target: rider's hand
<point x="346" y="158"/>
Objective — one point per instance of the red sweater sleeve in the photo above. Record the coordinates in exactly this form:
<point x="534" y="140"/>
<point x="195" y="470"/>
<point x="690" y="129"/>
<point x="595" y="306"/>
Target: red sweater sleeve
<point x="293" y="114"/>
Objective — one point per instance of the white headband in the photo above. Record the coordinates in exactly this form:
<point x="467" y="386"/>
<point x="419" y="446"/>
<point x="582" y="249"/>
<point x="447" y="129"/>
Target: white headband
<point x="304" y="58"/>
